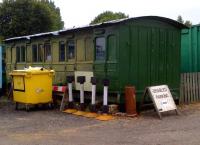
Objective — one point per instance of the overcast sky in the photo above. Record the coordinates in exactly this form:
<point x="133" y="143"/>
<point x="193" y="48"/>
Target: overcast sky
<point x="81" y="12"/>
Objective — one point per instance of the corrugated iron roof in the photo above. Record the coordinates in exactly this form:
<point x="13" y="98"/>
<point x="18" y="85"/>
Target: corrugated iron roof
<point x="108" y="23"/>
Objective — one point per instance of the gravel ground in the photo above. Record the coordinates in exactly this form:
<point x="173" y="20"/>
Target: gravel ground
<point x="51" y="127"/>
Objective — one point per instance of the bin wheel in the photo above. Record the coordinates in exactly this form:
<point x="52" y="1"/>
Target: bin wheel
<point x="27" y="108"/>
<point x="16" y="105"/>
<point x="50" y="105"/>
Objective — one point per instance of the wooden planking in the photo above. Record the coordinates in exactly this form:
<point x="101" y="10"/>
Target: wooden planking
<point x="196" y="86"/>
<point x="190" y="88"/>
<point x="181" y="98"/>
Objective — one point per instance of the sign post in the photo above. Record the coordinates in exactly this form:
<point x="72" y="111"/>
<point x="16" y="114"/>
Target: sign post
<point x="162" y="99"/>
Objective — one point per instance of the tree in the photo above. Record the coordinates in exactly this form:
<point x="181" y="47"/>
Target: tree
<point x="25" y="17"/>
<point x="108" y="16"/>
<point x="187" y="22"/>
<point x="180" y="19"/>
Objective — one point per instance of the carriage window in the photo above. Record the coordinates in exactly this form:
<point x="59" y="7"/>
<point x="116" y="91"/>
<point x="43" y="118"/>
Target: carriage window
<point x="71" y="49"/>
<point x="62" y="51"/>
<point x="100" y="48"/>
<point x="47" y="49"/>
<point x="23" y="53"/>
<point x="20" y="53"/>
<point x="40" y="53"/>
<point x="35" y="52"/>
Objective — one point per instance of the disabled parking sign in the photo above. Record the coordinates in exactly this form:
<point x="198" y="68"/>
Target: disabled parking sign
<point x="162" y="98"/>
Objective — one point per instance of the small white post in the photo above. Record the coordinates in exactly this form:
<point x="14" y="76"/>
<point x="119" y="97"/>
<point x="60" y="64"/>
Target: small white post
<point x="93" y="94"/>
<point x="105" y="95"/>
<point x="81" y="93"/>
<point x="81" y="80"/>
<point x="70" y="92"/>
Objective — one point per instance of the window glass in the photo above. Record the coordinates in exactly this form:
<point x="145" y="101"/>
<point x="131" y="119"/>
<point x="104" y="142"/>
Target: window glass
<point x="71" y="49"/>
<point x="34" y="51"/>
<point x="18" y="54"/>
<point x="47" y="49"/>
<point x="100" y="48"/>
<point x="23" y="53"/>
<point x="62" y="51"/>
<point x="40" y="53"/>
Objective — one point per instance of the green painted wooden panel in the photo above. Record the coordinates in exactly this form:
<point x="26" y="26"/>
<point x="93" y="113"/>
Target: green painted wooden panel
<point x="59" y="67"/>
<point x="70" y="67"/>
<point x="8" y="54"/>
<point x="13" y="51"/>
<point x="89" y="46"/>
<point x="124" y="57"/>
<point x="190" y="49"/>
<point x="111" y="62"/>
<point x="80" y="50"/>
<point x="21" y="66"/>
<point x="112" y="48"/>
<point x="28" y="54"/>
<point x="152" y="56"/>
<point x="60" y="78"/>
<point x="55" y="51"/>
<point x="84" y="67"/>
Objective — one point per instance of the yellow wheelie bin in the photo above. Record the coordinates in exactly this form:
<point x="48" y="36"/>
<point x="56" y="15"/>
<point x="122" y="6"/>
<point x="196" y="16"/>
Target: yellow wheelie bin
<point x="32" y="86"/>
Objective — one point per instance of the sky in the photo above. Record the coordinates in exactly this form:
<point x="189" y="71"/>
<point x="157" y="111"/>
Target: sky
<point x="81" y="12"/>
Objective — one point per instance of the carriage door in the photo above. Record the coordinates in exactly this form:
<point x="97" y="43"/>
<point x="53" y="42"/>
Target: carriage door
<point x="111" y="62"/>
<point x="100" y="58"/>
<point x="105" y="65"/>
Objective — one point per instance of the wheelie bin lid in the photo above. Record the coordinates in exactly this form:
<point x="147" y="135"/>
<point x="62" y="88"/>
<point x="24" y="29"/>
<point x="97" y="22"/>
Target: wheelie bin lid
<point x="32" y="70"/>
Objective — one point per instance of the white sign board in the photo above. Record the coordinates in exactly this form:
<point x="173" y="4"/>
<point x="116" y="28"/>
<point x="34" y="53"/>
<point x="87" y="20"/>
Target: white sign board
<point x="162" y="98"/>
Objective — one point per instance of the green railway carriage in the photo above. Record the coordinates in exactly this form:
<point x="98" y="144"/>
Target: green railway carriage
<point x="141" y="51"/>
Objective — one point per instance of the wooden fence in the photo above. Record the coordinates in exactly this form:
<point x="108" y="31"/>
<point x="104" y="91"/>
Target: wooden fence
<point x="190" y="88"/>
